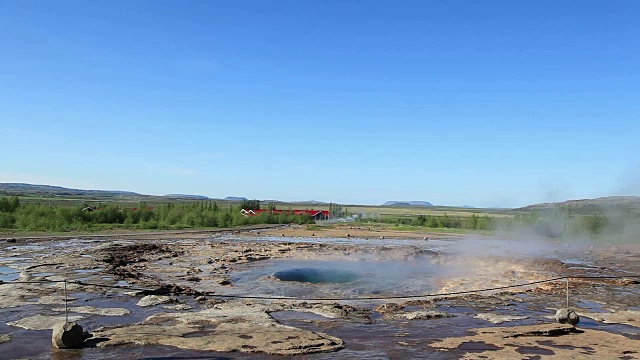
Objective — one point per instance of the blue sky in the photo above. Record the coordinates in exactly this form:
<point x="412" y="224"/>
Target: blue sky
<point x="487" y="103"/>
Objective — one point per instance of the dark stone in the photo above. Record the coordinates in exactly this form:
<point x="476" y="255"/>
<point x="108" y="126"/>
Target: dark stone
<point x="68" y="335"/>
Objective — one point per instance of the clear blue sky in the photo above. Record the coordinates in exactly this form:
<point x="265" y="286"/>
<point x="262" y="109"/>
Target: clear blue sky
<point x="487" y="103"/>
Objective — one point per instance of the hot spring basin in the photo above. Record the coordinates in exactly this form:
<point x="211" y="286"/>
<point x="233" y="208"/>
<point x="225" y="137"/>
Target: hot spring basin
<point x="316" y="275"/>
<point x="308" y="278"/>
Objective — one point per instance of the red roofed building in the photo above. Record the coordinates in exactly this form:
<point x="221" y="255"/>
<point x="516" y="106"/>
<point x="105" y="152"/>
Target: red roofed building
<point x="315" y="214"/>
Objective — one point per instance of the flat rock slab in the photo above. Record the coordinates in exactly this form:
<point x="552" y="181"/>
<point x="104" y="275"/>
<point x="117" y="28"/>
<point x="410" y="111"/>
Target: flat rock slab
<point x="41" y="322"/>
<point x="498" y="318"/>
<point x="153" y="300"/>
<point x="277" y="339"/>
<point x="560" y="341"/>
<point x="15" y="295"/>
<point x="54" y="300"/>
<point x="97" y="311"/>
<point x="628" y="317"/>
<point x="331" y="311"/>
<point x="418" y="315"/>
<point x="70" y="286"/>
<point x="225" y="328"/>
<point x="531" y="330"/>
<point x="5" y="338"/>
<point x="179" y="307"/>
<point x="7" y="302"/>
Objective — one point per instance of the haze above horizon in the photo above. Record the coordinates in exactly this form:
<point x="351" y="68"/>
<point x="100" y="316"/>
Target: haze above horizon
<point x="492" y="104"/>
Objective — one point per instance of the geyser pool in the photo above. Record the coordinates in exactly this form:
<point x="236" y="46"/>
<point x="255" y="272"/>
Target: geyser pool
<point x="316" y="275"/>
<point x="334" y="278"/>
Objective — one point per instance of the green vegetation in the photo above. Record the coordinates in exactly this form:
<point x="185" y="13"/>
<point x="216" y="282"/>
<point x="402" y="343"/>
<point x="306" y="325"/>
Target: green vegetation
<point x="338" y="211"/>
<point x="250" y="204"/>
<point x="197" y="214"/>
<point x="319" y="228"/>
<point x="69" y="211"/>
<point x="473" y="222"/>
<point x="384" y="211"/>
<point x="559" y="223"/>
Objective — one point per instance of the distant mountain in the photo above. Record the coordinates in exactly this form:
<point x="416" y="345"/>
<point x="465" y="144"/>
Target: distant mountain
<point x="187" y="197"/>
<point x="30" y="189"/>
<point x="310" y="202"/>
<point x="591" y="206"/>
<point x="407" y="203"/>
<point x="235" y="198"/>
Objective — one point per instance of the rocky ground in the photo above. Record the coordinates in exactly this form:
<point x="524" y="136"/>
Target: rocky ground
<point x="199" y="295"/>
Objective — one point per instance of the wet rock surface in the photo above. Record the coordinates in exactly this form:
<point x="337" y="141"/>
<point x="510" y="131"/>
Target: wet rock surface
<point x="418" y="315"/>
<point x="499" y="318"/>
<point x="245" y="327"/>
<point x="558" y="340"/>
<point x="153" y="300"/>
<point x="202" y="274"/>
<point x="628" y="317"/>
<point x="179" y="307"/>
<point x="96" y="311"/>
<point x="536" y="330"/>
<point x="42" y="322"/>
<point x="330" y="310"/>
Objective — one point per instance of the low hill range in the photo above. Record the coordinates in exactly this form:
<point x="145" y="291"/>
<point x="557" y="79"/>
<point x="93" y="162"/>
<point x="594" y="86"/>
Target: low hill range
<point x="583" y="206"/>
<point x="310" y="202"/>
<point x="591" y="206"/>
<point x="407" y="203"/>
<point x="30" y="189"/>
<point x="34" y="190"/>
<point x="187" y="197"/>
<point x="21" y="189"/>
<point x="235" y="198"/>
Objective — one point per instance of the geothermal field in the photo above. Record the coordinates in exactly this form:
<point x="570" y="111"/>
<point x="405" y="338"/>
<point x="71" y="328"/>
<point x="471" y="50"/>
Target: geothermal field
<point x="289" y="291"/>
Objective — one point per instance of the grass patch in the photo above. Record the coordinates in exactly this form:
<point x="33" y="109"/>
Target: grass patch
<point x="411" y="228"/>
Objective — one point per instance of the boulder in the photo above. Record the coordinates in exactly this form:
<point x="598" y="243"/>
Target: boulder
<point x="567" y="316"/>
<point x="67" y="335"/>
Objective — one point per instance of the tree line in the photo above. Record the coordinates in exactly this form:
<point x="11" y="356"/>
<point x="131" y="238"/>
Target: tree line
<point x="553" y="225"/>
<point x="40" y="217"/>
<point x="473" y="222"/>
